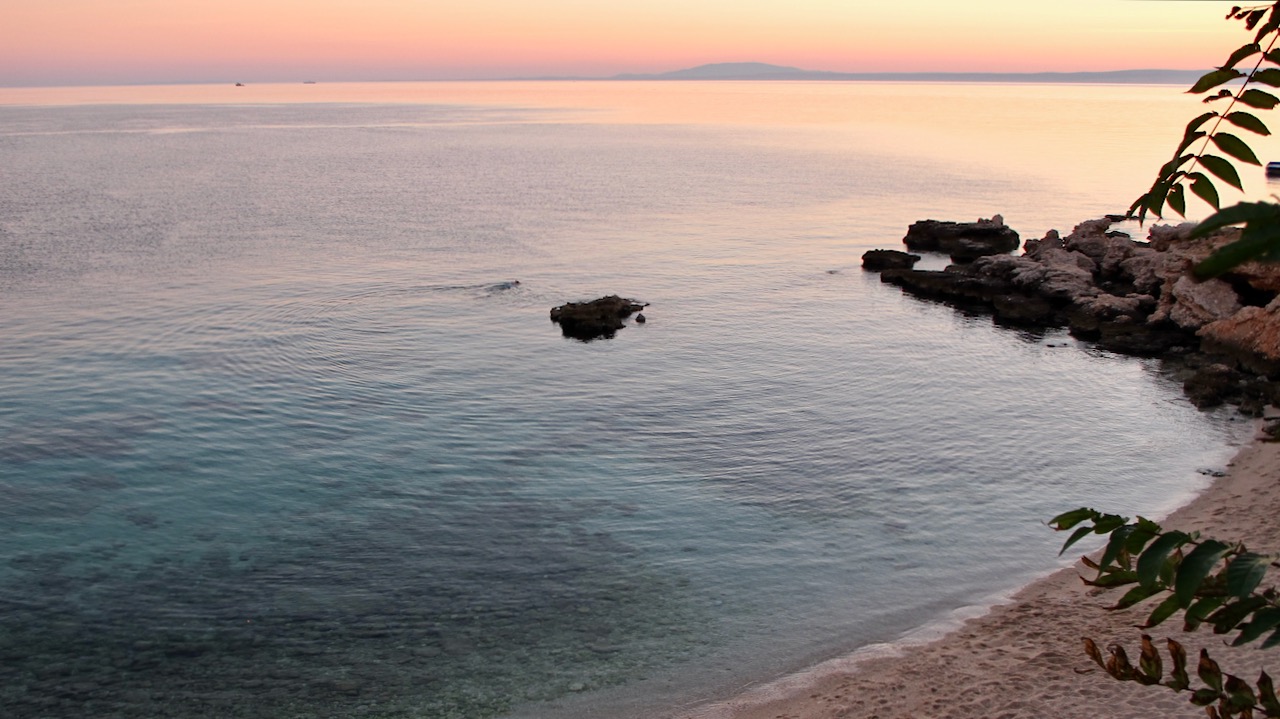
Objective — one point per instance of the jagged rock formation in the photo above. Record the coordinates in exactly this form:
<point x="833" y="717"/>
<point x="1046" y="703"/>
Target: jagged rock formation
<point x="1132" y="297"/>
<point x="963" y="241"/>
<point x="598" y="318"/>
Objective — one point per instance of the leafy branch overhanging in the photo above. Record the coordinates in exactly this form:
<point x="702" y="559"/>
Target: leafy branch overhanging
<point x="1196" y="169"/>
<point x="1214" y="583"/>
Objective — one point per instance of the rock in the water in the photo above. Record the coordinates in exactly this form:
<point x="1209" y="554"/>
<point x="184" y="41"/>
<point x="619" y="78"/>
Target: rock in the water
<point x="1131" y="297"/>
<point x="964" y="241"/>
<point x="597" y="318"/>
<point x="1212" y="386"/>
<point x="1139" y="298"/>
<point x="877" y="260"/>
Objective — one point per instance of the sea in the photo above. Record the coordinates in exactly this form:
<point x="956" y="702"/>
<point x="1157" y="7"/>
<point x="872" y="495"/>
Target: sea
<point x="286" y="430"/>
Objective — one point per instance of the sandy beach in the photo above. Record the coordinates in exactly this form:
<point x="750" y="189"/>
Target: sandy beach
<point x="1024" y="658"/>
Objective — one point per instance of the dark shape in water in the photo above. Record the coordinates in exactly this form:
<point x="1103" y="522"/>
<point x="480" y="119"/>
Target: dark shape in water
<point x="878" y="260"/>
<point x="598" y="318"/>
<point x="964" y="241"/>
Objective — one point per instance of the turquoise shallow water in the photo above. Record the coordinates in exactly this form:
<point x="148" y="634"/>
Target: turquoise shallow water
<point x="281" y="436"/>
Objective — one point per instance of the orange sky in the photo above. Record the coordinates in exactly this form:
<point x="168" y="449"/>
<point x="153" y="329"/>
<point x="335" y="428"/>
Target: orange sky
<point x="59" y="42"/>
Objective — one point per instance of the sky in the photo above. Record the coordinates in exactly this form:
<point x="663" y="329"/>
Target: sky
<point x="96" y="42"/>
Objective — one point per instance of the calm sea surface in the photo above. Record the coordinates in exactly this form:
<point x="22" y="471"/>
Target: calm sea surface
<point x="282" y="435"/>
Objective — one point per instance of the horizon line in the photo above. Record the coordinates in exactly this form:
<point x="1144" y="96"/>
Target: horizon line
<point x="766" y="73"/>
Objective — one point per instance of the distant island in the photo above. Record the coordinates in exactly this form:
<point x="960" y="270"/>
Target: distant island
<point x="764" y="71"/>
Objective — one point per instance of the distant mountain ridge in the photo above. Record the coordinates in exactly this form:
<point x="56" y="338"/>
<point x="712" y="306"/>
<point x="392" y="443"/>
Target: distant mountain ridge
<point x="765" y="71"/>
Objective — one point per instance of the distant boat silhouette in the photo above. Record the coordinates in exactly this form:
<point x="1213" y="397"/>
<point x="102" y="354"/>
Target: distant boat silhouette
<point x="1273" y="169"/>
<point x="308" y="82"/>
<point x="239" y="84"/>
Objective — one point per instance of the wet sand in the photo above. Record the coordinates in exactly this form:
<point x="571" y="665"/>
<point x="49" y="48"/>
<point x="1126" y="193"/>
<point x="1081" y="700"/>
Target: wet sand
<point x="1025" y="658"/>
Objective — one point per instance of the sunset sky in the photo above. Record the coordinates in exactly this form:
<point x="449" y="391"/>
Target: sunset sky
<point x="67" y="42"/>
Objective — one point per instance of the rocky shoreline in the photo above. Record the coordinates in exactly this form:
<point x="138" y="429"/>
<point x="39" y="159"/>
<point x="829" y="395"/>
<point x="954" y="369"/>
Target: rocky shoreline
<point x="1139" y="297"/>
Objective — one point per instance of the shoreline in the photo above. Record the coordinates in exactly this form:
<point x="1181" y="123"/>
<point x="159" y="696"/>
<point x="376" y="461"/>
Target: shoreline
<point x="1023" y="656"/>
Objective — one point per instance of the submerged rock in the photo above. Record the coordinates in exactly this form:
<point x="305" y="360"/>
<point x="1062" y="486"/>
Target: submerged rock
<point x="598" y="318"/>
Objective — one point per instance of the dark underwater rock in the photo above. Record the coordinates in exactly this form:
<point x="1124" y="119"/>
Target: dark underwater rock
<point x="1212" y="386"/>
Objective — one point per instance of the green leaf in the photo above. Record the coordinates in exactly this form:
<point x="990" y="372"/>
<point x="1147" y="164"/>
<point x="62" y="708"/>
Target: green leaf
<point x="1269" y="76"/>
<point x="1149" y="662"/>
<point x="1197" y="565"/>
<point x="1163" y="611"/>
<point x="1252" y="19"/>
<point x="1272" y="641"/>
<point x="1268" y="28"/>
<point x="1144" y="530"/>
<point x="1240" y="694"/>
<point x="1233" y="613"/>
<point x="1204" y="697"/>
<point x="1178" y="199"/>
<point x="1114" y="577"/>
<point x="1115" y="545"/>
<point x="1241" y="53"/>
<point x="1091" y="648"/>
<point x="1245" y="573"/>
<point x="1259" y="99"/>
<point x="1156" y="196"/>
<point x="1273" y="56"/>
<point x="1209" y="671"/>
<point x="1213" y="79"/>
<point x="1200" y="121"/>
<point x="1238" y="214"/>
<point x="1203" y="187"/>
<point x="1107" y="523"/>
<point x="1188" y="140"/>
<point x="1153" y="559"/>
<point x="1235" y="147"/>
<point x="1267" y="695"/>
<point x="1200" y="612"/>
<point x="1136" y="595"/>
<point x="1138" y="208"/>
<point x="1076" y="536"/>
<point x="1248" y="121"/>
<point x="1264" y="620"/>
<point x="1118" y="664"/>
<point x="1259" y="240"/>
<point x="1178" y="677"/>
<point x="1223" y="169"/>
<point x="1067" y="520"/>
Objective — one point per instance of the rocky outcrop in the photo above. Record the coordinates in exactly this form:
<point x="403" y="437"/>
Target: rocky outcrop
<point x="963" y="241"/>
<point x="595" y="319"/>
<point x="877" y="260"/>
<point x="1133" y="297"/>
<point x="1253" y="334"/>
